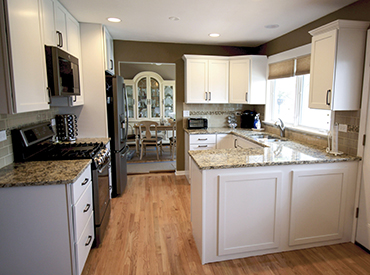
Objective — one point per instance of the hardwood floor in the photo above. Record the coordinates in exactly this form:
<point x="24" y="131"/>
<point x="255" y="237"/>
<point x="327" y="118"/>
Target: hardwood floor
<point x="150" y="233"/>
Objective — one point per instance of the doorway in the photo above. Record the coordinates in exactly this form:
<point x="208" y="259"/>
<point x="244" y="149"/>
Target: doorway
<point x="151" y="96"/>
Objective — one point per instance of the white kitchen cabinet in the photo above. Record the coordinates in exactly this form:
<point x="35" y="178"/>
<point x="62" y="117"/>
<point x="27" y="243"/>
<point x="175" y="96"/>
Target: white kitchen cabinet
<point x="248" y="203"/>
<point x="109" y="51"/>
<point x="49" y="228"/>
<point x="24" y="85"/>
<point x="243" y="143"/>
<point x="248" y="79"/>
<point x="225" y="141"/>
<point x="202" y="142"/>
<point x="337" y="58"/>
<point x="317" y="205"/>
<point x="206" y="79"/>
<point x="250" y="211"/>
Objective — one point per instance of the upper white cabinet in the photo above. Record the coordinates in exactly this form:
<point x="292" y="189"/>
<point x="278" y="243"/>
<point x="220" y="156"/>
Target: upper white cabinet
<point x="109" y="52"/>
<point x="206" y="79"/>
<point x="23" y="69"/>
<point x="60" y="28"/>
<point x="337" y="58"/>
<point x="248" y="76"/>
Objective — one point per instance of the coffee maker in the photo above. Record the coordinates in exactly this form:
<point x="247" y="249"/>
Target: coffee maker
<point x="247" y="119"/>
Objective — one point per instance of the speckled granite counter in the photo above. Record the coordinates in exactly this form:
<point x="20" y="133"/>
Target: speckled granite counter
<point x="93" y="140"/>
<point x="42" y="172"/>
<point x="283" y="152"/>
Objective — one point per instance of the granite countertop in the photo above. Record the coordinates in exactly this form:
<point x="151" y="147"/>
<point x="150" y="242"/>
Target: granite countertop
<point x="88" y="140"/>
<point x="283" y="152"/>
<point x="35" y="173"/>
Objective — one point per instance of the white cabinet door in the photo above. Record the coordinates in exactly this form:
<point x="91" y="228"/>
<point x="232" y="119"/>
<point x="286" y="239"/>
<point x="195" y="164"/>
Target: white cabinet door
<point x="317" y="205"/>
<point x="322" y="70"/>
<point x="48" y="15"/>
<point x="196" y="81"/>
<point x="225" y="141"/>
<point x="109" y="52"/>
<point x="239" y="80"/>
<point x="61" y="26"/>
<point x="245" y="144"/>
<point x="73" y="32"/>
<point x="218" y="81"/>
<point x="248" y="203"/>
<point x="28" y="66"/>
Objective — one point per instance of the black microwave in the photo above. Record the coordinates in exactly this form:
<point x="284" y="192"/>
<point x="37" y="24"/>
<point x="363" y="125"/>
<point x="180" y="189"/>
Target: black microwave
<point x="62" y="72"/>
<point x="197" y="123"/>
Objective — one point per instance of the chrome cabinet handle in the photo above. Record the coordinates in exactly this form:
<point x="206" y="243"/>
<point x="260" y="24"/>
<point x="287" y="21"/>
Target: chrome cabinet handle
<point x="86" y="208"/>
<point x="49" y="94"/>
<point x="206" y="96"/>
<point x="246" y="96"/>
<point x="74" y="100"/>
<point x="234" y="143"/>
<point x="202" y="138"/>
<point x="60" y="39"/>
<point x="209" y="96"/>
<point x="89" y="239"/>
<point x="202" y="145"/>
<point x="327" y="97"/>
<point x="84" y="182"/>
<point x="111" y="62"/>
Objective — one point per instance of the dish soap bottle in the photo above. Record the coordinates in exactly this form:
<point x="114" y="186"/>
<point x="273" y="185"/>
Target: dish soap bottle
<point x="257" y="122"/>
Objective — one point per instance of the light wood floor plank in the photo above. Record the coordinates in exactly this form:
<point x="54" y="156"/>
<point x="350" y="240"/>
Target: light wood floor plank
<point x="149" y="232"/>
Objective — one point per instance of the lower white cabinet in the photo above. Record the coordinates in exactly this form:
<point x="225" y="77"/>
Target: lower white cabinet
<point x="248" y="203"/>
<point x="202" y="142"/>
<point x="46" y="229"/>
<point x="317" y="205"/>
<point x="243" y="212"/>
<point x="227" y="141"/>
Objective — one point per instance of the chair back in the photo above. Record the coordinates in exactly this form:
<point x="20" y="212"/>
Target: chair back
<point x="145" y="134"/>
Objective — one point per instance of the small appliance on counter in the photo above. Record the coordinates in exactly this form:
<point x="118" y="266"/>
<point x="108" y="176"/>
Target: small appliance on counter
<point x="247" y="119"/>
<point x="66" y="126"/>
<point x="197" y="123"/>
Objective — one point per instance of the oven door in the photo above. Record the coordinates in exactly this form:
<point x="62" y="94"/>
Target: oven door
<point x="101" y="184"/>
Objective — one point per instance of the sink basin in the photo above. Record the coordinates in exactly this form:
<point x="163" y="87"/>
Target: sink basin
<point x="267" y="137"/>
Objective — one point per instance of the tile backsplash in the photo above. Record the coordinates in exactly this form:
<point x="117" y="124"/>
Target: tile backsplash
<point x="9" y="122"/>
<point x="217" y="113"/>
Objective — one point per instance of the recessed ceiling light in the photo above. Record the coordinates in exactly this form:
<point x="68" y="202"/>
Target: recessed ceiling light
<point x="174" y="18"/>
<point x="272" y="26"/>
<point x="114" y="19"/>
<point x="214" y="35"/>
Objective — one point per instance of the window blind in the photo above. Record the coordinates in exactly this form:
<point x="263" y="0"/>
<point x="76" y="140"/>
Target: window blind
<point x="303" y="65"/>
<point x="281" y="69"/>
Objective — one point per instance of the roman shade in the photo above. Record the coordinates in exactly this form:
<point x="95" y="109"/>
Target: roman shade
<point x="303" y="65"/>
<point x="290" y="67"/>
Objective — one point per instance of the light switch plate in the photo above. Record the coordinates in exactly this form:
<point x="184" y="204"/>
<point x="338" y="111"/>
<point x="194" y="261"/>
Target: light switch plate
<point x="342" y="128"/>
<point x="2" y="135"/>
<point x="185" y="113"/>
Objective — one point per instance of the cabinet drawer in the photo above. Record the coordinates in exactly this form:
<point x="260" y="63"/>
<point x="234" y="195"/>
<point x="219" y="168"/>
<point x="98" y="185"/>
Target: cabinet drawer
<point x="83" y="246"/>
<point x="79" y="186"/>
<point x="82" y="211"/>
<point x="197" y="139"/>
<point x="202" y="146"/>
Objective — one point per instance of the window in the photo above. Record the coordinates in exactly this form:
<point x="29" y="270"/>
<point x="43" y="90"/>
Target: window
<point x="289" y="101"/>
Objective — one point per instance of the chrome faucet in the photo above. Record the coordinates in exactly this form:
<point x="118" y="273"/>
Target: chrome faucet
<point x="281" y="126"/>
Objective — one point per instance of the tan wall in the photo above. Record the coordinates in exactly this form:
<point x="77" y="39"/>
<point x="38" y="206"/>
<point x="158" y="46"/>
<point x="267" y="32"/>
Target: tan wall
<point x="131" y="51"/>
<point x="359" y="10"/>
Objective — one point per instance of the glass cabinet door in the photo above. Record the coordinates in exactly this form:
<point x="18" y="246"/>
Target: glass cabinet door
<point x="130" y="100"/>
<point x="168" y="100"/>
<point x="142" y="98"/>
<point x="155" y="98"/>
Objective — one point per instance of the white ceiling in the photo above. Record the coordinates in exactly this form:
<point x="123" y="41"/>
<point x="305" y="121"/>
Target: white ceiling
<point x="239" y="22"/>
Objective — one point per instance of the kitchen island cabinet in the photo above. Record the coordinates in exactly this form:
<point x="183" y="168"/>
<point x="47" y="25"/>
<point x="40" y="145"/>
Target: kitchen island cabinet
<point x="242" y="212"/>
<point x="46" y="217"/>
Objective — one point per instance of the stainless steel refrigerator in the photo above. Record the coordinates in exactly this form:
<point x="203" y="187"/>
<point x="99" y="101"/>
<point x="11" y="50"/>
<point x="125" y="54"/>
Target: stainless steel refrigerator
<point x="117" y="130"/>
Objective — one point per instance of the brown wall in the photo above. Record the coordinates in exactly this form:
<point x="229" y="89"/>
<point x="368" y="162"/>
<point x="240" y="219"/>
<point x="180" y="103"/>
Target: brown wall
<point x="359" y="10"/>
<point x="131" y="51"/>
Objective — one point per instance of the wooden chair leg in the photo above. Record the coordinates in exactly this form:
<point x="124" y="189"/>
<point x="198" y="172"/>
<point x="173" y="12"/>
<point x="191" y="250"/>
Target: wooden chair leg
<point x="156" y="149"/>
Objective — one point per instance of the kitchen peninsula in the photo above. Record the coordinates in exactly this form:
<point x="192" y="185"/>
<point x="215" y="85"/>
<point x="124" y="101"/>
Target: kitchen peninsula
<point x="261" y="199"/>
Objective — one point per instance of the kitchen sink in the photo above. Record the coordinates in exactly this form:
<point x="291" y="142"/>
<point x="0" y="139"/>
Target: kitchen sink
<point x="267" y="137"/>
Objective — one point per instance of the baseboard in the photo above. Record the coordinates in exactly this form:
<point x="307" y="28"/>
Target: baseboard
<point x="180" y="173"/>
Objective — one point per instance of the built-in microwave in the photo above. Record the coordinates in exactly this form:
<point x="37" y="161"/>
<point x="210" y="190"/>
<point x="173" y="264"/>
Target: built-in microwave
<point x="62" y="72"/>
<point x="197" y="123"/>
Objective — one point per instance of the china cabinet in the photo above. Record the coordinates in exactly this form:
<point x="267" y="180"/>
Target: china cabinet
<point x="337" y="58"/>
<point x="150" y="97"/>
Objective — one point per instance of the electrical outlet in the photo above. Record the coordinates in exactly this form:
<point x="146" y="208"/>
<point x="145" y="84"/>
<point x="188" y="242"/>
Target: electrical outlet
<point x="342" y="128"/>
<point x="185" y="113"/>
<point x="3" y="135"/>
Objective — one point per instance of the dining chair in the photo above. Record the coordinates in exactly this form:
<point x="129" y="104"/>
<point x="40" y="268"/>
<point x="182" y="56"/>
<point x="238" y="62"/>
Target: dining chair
<point x="146" y="137"/>
<point x="173" y="140"/>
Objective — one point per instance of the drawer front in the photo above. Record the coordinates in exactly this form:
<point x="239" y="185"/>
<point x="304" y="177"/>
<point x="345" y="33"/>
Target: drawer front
<point x="202" y="146"/>
<point x="79" y="186"/>
<point x="83" y="246"/>
<point x="198" y="139"/>
<point x="82" y="211"/>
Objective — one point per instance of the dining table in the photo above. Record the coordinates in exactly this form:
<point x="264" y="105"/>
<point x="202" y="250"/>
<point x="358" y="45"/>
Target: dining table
<point x="165" y="127"/>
